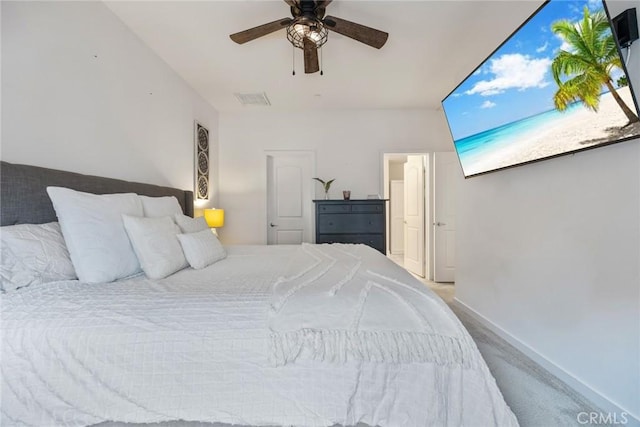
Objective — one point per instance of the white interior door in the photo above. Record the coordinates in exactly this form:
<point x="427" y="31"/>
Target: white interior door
<point x="414" y="231"/>
<point x="445" y="170"/>
<point x="289" y="197"/>
<point x="396" y="202"/>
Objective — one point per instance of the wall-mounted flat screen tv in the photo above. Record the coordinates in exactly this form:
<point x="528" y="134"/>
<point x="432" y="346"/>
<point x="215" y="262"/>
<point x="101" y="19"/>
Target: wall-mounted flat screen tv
<point x="556" y="86"/>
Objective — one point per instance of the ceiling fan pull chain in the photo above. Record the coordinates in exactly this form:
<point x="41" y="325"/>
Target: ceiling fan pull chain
<point x="293" y="59"/>
<point x="321" y="61"/>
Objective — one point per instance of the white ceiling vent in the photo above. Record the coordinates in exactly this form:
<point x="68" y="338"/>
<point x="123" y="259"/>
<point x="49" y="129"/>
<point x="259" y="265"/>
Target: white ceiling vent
<point x="253" y="98"/>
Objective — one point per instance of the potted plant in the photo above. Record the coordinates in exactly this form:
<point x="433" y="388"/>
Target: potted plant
<point x="326" y="185"/>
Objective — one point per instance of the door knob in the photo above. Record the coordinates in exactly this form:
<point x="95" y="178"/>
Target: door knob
<point x="439" y="224"/>
<point x="273" y="225"/>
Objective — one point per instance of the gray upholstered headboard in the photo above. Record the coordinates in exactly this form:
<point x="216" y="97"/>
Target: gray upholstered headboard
<point x="24" y="199"/>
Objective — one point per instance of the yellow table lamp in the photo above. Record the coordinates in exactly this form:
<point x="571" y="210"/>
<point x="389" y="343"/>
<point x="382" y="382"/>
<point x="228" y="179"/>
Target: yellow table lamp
<point x="214" y="217"/>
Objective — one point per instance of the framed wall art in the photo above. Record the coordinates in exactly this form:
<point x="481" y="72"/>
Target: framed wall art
<point x="201" y="162"/>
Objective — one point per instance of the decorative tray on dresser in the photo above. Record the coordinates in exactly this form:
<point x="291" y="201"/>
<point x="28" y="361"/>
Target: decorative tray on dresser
<point x="352" y="221"/>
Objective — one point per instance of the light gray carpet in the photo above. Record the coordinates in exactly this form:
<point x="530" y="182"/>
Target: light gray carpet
<point x="535" y="396"/>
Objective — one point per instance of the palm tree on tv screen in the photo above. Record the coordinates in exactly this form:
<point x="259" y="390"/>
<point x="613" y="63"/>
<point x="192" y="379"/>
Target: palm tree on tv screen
<point x="589" y="65"/>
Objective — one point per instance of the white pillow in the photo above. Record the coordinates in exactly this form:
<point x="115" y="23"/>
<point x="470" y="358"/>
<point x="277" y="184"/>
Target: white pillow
<point x="202" y="248"/>
<point x="190" y="225"/>
<point x="156" y="245"/>
<point x="33" y="254"/>
<point x="160" y="206"/>
<point x="93" y="231"/>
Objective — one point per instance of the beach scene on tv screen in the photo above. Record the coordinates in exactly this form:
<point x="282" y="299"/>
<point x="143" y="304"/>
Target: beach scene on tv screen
<point x="557" y="85"/>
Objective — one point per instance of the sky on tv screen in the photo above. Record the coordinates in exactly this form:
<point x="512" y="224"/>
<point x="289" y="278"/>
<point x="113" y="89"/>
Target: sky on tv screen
<point x="515" y="83"/>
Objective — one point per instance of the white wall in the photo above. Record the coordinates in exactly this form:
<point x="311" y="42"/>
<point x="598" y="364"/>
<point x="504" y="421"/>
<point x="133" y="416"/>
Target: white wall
<point x="550" y="253"/>
<point x="348" y="146"/>
<point x="81" y="92"/>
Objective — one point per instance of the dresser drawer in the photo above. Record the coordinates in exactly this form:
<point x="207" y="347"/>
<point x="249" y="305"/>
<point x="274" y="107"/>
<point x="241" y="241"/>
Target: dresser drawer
<point x="346" y="208"/>
<point x="376" y="241"/>
<point x="322" y="209"/>
<point x="352" y="223"/>
<point x="377" y="208"/>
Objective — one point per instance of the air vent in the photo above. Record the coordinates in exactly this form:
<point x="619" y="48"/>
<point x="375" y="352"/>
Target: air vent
<point x="253" y="98"/>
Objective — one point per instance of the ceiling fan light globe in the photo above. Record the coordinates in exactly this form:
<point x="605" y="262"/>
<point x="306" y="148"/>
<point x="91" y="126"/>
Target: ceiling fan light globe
<point x="301" y="29"/>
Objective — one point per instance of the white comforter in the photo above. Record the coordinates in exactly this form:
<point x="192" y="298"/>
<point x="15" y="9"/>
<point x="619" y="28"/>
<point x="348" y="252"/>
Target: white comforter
<point x="199" y="346"/>
<point x="348" y="303"/>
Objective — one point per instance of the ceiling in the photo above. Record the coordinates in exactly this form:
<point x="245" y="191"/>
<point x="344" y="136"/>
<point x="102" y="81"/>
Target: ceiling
<point x="432" y="46"/>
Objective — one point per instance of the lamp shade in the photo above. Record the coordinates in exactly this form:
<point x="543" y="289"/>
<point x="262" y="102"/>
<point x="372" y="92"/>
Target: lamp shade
<point x="214" y="217"/>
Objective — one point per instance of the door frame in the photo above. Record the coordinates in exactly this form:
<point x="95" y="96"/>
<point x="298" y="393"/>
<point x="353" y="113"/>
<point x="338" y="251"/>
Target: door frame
<point x="311" y="155"/>
<point x="385" y="158"/>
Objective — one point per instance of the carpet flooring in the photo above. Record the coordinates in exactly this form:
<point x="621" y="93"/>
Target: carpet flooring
<point x="536" y="397"/>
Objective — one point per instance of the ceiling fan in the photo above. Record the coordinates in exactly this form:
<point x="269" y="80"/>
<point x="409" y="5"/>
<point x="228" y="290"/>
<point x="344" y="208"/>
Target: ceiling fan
<point x="308" y="30"/>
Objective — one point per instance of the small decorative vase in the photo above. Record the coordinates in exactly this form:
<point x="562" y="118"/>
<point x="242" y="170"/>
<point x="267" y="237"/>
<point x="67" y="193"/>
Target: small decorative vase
<point x="346" y="194"/>
<point x="326" y="195"/>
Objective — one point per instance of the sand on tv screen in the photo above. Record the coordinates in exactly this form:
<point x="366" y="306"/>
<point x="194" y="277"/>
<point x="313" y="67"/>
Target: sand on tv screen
<point x="557" y="85"/>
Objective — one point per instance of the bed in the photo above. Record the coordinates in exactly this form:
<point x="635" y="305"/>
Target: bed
<point x="304" y="335"/>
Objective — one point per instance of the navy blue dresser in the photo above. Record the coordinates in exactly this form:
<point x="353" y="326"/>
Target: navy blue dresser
<point x="352" y="221"/>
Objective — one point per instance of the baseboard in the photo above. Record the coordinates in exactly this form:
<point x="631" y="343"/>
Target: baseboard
<point x="606" y="405"/>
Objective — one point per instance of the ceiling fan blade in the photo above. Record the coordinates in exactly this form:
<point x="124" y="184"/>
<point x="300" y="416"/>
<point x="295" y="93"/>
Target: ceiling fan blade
<point x="259" y="31"/>
<point x="369" y="36"/>
<point x="311" y="64"/>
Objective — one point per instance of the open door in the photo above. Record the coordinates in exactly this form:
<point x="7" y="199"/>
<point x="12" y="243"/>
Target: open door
<point x="396" y="223"/>
<point x="445" y="168"/>
<point x="289" y="197"/>
<point x="414" y="229"/>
